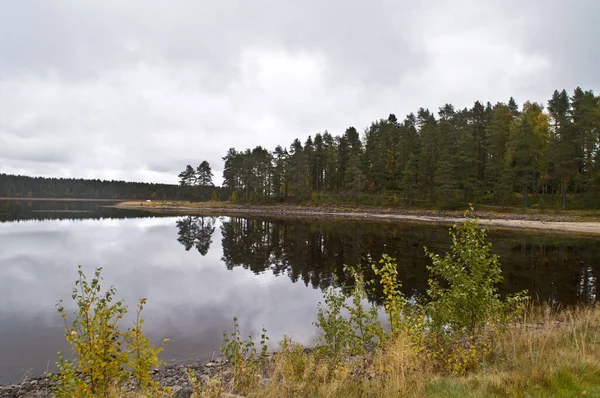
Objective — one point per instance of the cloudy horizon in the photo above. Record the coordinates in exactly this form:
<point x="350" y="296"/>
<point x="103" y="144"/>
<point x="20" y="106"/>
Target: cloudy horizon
<point x="136" y="90"/>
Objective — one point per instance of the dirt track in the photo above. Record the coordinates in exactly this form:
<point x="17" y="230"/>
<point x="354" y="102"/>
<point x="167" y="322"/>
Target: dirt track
<point x="539" y="222"/>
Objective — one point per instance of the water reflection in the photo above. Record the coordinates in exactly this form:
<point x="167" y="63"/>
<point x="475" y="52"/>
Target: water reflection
<point x="44" y="210"/>
<point x="192" y="297"/>
<point x="559" y="270"/>
<point x="196" y="231"/>
<point x="199" y="272"/>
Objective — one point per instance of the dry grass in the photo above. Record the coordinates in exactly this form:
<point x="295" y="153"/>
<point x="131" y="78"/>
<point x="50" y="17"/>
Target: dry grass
<point x="550" y="354"/>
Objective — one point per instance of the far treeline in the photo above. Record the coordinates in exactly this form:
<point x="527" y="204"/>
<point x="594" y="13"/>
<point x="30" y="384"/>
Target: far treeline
<point x="489" y="154"/>
<point x="40" y="187"/>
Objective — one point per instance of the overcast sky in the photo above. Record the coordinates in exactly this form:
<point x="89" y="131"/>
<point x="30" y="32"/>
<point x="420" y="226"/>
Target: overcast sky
<point x="136" y="90"/>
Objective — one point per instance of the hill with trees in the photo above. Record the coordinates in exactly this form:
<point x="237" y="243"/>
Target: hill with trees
<point x="495" y="154"/>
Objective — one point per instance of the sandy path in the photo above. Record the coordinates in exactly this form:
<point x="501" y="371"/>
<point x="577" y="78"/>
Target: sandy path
<point x="560" y="226"/>
<point x="588" y="228"/>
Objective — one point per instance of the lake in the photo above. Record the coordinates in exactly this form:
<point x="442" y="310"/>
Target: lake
<point x="200" y="272"/>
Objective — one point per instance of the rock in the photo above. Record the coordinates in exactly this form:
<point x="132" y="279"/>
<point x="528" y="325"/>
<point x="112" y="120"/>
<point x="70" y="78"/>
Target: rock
<point x="174" y="376"/>
<point x="204" y="378"/>
<point x="182" y="392"/>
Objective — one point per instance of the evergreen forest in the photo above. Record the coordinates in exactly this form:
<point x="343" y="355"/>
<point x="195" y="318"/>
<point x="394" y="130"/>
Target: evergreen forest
<point x="16" y="186"/>
<point x="503" y="154"/>
<point x="497" y="154"/>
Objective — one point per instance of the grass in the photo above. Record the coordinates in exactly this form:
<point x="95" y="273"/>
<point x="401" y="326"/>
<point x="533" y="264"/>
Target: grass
<point x="546" y="354"/>
<point x="549" y="354"/>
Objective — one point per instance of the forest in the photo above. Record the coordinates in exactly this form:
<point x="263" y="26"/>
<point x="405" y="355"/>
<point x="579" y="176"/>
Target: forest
<point x="500" y="154"/>
<point x="41" y="187"/>
<point x="540" y="155"/>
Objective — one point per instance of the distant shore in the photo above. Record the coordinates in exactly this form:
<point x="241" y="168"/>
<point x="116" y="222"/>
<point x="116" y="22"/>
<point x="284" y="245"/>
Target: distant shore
<point x="543" y="222"/>
<point x="63" y="199"/>
<point x="564" y="222"/>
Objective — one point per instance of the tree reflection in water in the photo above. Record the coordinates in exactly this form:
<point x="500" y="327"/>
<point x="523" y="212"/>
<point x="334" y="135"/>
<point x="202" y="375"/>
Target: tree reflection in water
<point x="196" y="231"/>
<point x="554" y="269"/>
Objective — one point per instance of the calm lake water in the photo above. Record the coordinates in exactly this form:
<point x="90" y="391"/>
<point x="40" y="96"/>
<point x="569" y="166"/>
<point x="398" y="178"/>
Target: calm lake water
<point x="200" y="272"/>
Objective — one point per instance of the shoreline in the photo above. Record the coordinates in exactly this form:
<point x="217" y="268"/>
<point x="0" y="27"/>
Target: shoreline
<point x="547" y="223"/>
<point x="174" y="376"/>
<point x="21" y="199"/>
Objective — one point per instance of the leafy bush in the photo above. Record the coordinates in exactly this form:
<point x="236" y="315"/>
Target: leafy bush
<point x="104" y="357"/>
<point x="404" y="318"/>
<point x="243" y="355"/>
<point x="466" y="310"/>
<point x="394" y="300"/>
<point x="347" y="327"/>
<point x="456" y="328"/>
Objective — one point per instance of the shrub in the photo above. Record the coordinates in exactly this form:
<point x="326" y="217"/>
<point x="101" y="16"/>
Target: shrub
<point x="465" y="308"/>
<point x="105" y="357"/>
<point x="335" y="341"/>
<point x="405" y="319"/>
<point x="394" y="301"/>
<point x="243" y="355"/>
<point x="348" y="328"/>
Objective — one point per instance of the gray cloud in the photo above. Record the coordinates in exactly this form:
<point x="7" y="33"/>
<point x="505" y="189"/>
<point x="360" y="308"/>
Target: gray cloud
<point x="136" y="90"/>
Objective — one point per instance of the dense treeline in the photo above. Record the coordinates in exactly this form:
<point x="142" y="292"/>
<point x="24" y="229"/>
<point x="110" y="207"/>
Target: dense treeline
<point x="40" y="187"/>
<point x="497" y="154"/>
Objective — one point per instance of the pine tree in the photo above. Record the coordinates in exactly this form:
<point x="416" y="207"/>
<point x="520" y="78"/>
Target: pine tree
<point x="410" y="179"/>
<point x="467" y="152"/>
<point x="585" y="113"/>
<point x="429" y="135"/>
<point x="203" y="178"/>
<point x="280" y="183"/>
<point x="523" y="151"/>
<point x="445" y="179"/>
<point x="356" y="178"/>
<point x="496" y="171"/>
<point x="331" y="163"/>
<point x="563" y="149"/>
<point x="299" y="169"/>
<point x="187" y="178"/>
